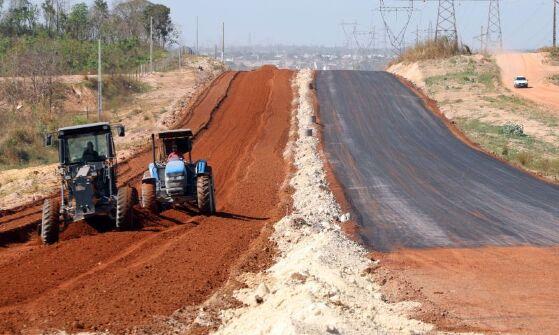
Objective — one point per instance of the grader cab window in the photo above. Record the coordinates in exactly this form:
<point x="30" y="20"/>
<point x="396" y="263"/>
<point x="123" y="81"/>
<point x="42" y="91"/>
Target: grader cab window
<point x="85" y="148"/>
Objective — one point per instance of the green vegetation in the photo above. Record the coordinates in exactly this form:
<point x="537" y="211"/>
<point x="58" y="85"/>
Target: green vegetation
<point x="40" y="41"/>
<point x="432" y="49"/>
<point x="470" y="73"/>
<point x="522" y="107"/>
<point x="515" y="147"/>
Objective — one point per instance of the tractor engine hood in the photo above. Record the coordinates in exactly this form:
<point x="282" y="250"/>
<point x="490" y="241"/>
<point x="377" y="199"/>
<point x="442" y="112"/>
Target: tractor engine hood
<point x="175" y="178"/>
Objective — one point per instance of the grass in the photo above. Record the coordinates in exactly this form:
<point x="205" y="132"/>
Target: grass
<point x="520" y="106"/>
<point x="432" y="49"/>
<point x="467" y="74"/>
<point x="525" y="151"/>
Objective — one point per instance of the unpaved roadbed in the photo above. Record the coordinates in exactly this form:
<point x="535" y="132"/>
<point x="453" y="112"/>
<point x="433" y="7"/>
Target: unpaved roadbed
<point x="136" y="280"/>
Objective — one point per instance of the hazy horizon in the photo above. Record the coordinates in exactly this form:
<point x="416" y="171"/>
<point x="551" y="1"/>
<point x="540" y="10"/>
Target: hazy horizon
<point x="526" y="24"/>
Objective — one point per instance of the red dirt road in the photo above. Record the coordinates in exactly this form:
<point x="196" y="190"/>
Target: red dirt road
<point x="533" y="66"/>
<point x="504" y="290"/>
<point x="119" y="281"/>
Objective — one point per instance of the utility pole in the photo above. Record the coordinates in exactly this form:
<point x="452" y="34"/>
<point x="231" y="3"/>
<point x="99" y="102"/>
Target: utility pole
<point x="197" y="37"/>
<point x="430" y="31"/>
<point x="555" y="23"/>
<point x="99" y="84"/>
<point x="151" y="44"/>
<point x="446" y="21"/>
<point x="223" y="42"/>
<point x="180" y="54"/>
<point x="481" y="38"/>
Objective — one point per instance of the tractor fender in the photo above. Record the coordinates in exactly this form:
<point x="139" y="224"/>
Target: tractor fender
<point x="202" y="168"/>
<point x="151" y="174"/>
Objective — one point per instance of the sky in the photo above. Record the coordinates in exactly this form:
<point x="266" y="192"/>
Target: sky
<point x="526" y="24"/>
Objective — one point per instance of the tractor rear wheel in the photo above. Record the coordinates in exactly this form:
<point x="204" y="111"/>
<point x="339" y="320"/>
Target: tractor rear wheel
<point x="50" y="224"/>
<point x="205" y="194"/>
<point x="124" y="208"/>
<point x="149" y="201"/>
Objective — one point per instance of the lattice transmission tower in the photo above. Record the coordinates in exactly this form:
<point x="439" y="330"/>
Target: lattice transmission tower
<point x="494" y="34"/>
<point x="446" y="21"/>
<point x="391" y="14"/>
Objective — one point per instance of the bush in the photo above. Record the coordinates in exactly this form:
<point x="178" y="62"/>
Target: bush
<point x="433" y="49"/>
<point x="512" y="129"/>
<point x="524" y="158"/>
<point x="114" y="86"/>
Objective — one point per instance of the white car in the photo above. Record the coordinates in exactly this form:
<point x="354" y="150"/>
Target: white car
<point x="520" y="82"/>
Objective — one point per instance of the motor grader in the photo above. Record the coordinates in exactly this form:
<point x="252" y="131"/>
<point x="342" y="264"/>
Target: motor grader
<point x="88" y="180"/>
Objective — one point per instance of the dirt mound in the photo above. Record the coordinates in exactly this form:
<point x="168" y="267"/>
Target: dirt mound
<point x="80" y="229"/>
<point x="120" y="280"/>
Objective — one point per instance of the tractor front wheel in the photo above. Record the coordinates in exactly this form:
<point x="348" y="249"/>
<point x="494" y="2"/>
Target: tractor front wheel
<point x="50" y="225"/>
<point x="149" y="201"/>
<point x="205" y="194"/>
<point x="124" y="208"/>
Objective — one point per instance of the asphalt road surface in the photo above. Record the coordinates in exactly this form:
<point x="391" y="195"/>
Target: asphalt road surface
<point x="413" y="184"/>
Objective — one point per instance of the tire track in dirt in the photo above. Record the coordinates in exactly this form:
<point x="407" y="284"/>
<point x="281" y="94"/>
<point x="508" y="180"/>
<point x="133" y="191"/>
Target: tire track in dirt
<point x="117" y="281"/>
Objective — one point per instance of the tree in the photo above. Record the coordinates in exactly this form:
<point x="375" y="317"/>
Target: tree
<point x="163" y="27"/>
<point x="20" y="19"/>
<point x="129" y="19"/>
<point x="49" y="15"/>
<point x="77" y="25"/>
<point x="99" y="16"/>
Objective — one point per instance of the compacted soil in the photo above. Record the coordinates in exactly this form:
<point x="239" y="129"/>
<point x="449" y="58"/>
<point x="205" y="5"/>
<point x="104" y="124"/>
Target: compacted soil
<point x="490" y="290"/>
<point x="117" y="281"/>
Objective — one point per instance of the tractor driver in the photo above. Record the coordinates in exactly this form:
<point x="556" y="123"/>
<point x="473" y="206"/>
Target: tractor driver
<point x="89" y="154"/>
<point x="175" y="155"/>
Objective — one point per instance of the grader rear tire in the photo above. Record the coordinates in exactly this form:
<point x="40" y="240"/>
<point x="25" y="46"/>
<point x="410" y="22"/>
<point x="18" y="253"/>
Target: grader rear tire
<point x="50" y="224"/>
<point x="149" y="201"/>
<point x="124" y="208"/>
<point x="205" y="194"/>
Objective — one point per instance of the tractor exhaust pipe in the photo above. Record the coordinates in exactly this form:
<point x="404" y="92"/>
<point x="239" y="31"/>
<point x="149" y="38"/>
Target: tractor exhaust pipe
<point x="153" y="147"/>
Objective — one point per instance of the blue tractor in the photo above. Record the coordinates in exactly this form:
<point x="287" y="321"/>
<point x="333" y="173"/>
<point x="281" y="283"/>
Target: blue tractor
<point x="173" y="179"/>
